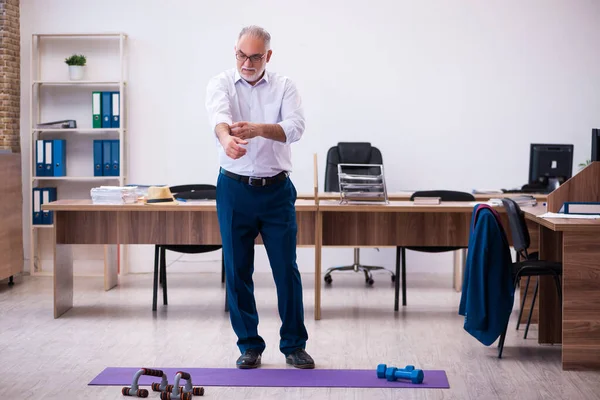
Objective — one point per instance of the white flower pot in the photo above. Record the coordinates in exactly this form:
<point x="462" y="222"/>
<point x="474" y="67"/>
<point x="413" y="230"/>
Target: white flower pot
<point x="76" y="72"/>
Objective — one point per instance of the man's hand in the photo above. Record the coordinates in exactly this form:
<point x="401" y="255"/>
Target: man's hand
<point x="246" y="130"/>
<point x="231" y="145"/>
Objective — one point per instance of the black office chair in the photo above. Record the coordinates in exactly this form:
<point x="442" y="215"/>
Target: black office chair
<point x="528" y="267"/>
<point x="186" y="192"/>
<point x="352" y="153"/>
<point x="444" y="195"/>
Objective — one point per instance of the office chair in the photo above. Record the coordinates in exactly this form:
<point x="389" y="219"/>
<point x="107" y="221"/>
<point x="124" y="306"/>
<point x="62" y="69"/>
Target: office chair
<point x="351" y="153"/>
<point x="444" y="195"/>
<point x="528" y="267"/>
<point x="186" y="192"/>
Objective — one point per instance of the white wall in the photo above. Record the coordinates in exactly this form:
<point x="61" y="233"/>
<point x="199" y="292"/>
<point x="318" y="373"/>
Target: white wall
<point x="452" y="92"/>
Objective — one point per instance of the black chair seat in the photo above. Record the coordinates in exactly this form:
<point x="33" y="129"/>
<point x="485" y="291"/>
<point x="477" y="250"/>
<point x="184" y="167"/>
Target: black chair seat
<point x="537" y="267"/>
<point x="433" y="249"/>
<point x="191" y="248"/>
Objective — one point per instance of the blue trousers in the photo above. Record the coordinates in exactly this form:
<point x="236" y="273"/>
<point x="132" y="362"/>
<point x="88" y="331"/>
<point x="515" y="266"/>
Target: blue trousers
<point x="244" y="211"/>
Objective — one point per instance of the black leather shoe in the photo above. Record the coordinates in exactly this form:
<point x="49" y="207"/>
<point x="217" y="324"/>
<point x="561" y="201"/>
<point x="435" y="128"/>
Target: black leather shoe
<point x="250" y="359"/>
<point x="300" y="359"/>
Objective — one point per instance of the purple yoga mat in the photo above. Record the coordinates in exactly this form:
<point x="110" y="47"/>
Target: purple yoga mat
<point x="348" y="378"/>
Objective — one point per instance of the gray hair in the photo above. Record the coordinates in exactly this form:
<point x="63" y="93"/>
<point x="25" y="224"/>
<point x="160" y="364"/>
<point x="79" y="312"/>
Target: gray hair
<point x="257" y="32"/>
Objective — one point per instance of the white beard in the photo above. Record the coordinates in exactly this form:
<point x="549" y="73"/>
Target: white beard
<point x="250" y="78"/>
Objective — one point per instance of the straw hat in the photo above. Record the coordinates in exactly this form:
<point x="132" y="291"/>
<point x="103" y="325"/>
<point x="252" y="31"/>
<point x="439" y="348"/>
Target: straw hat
<point x="160" y="195"/>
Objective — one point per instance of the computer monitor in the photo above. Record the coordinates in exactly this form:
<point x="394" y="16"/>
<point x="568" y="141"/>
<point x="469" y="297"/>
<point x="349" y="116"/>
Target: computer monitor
<point x="550" y="165"/>
<point x="595" y="144"/>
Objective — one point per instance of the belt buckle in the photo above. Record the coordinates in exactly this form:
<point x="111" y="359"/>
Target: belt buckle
<point x="260" y="181"/>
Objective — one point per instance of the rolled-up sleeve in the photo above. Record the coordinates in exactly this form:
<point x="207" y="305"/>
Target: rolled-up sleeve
<point x="218" y="107"/>
<point x="292" y="114"/>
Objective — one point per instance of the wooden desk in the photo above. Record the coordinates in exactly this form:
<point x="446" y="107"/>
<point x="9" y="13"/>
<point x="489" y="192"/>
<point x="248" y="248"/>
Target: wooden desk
<point x="577" y="323"/>
<point x="399" y="223"/>
<point x="405" y="196"/>
<point x="327" y="224"/>
<point x="81" y="222"/>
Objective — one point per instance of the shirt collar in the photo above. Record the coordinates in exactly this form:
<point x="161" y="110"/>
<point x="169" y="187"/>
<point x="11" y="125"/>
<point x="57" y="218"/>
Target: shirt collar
<point x="238" y="77"/>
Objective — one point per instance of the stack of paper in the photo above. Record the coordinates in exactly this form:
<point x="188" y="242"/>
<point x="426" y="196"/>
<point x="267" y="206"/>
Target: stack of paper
<point x="487" y="191"/>
<point x="427" y="200"/>
<point x="114" y="195"/>
<point x="521" y="200"/>
<point x="570" y="216"/>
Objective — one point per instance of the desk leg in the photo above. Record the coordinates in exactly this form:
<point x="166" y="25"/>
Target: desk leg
<point x="318" y="247"/>
<point x="460" y="259"/>
<point x="111" y="266"/>
<point x="550" y="313"/>
<point x="581" y="301"/>
<point x="63" y="277"/>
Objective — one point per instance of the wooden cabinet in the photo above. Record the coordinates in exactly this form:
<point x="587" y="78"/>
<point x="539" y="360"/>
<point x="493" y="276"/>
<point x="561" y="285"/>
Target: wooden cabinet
<point x="11" y="216"/>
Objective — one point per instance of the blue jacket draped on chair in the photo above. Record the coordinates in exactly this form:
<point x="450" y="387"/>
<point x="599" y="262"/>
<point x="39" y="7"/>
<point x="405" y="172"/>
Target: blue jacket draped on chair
<point x="488" y="288"/>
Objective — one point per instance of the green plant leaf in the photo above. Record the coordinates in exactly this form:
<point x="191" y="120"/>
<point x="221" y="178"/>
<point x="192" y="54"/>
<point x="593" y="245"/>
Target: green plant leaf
<point x="76" y="59"/>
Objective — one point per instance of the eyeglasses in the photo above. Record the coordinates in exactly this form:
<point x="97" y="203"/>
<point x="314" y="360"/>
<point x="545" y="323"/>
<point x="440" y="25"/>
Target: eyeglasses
<point x="253" y="59"/>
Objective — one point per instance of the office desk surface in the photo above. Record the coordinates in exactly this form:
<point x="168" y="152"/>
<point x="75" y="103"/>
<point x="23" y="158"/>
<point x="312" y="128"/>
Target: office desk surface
<point x="395" y="206"/>
<point x="405" y="196"/>
<point x="560" y="224"/>
<point x="195" y="205"/>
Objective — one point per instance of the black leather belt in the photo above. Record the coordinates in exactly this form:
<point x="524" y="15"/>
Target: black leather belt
<point x="254" y="180"/>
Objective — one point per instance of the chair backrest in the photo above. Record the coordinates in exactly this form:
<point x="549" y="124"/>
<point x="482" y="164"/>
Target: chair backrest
<point x="445" y="195"/>
<point x="195" y="192"/>
<point x="349" y="153"/>
<point x="518" y="226"/>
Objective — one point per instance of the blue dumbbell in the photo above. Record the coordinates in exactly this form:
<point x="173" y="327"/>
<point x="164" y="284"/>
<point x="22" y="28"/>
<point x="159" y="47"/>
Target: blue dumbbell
<point x="381" y="369"/>
<point x="393" y="374"/>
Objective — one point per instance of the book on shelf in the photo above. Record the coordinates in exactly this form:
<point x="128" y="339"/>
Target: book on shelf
<point x="63" y="124"/>
<point x="51" y="157"/>
<point x="42" y="196"/>
<point x="106" y="111"/>
<point x="106" y="157"/>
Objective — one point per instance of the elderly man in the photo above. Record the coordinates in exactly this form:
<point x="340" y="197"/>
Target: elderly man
<point x="256" y="115"/>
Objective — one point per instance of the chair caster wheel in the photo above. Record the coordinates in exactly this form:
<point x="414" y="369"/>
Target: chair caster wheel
<point x="370" y="282"/>
<point x="328" y="279"/>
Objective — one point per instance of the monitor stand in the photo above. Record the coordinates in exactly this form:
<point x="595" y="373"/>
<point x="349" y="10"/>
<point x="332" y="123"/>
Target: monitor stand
<point x="548" y="185"/>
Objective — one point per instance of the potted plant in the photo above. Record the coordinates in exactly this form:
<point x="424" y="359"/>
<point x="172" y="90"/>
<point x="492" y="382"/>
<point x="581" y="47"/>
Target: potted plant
<point x="76" y="65"/>
<point x="585" y="164"/>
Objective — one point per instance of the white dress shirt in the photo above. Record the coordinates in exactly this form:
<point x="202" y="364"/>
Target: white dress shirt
<point x="272" y="100"/>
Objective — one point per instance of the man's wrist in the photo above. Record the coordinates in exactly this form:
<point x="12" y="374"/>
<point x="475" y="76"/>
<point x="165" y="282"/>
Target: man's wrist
<point x="263" y="130"/>
<point x="273" y="132"/>
<point x="222" y="131"/>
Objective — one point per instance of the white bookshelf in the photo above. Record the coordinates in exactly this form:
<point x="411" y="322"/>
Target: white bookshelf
<point x="80" y="83"/>
<point x="54" y="97"/>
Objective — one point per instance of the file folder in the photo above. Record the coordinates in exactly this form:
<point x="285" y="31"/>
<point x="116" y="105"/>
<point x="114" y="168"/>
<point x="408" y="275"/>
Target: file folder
<point x="96" y="110"/>
<point x="106" y="108"/>
<point x="48" y="195"/>
<point x="48" y="163"/>
<point x="116" y="110"/>
<point x="39" y="157"/>
<point x="36" y="207"/>
<point x="114" y="155"/>
<point x="59" y="155"/>
<point x="98" y="163"/>
<point x="578" y="207"/>
<point x="106" y="161"/>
